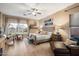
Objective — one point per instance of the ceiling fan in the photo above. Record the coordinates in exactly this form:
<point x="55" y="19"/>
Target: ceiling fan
<point x="33" y="11"/>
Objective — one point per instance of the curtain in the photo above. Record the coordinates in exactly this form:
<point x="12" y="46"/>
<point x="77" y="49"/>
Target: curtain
<point x="22" y="26"/>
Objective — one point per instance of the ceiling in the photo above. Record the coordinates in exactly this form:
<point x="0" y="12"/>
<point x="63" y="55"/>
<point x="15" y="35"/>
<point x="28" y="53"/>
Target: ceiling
<point x="18" y="9"/>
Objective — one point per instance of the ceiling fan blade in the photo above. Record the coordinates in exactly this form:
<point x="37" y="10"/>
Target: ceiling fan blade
<point x="33" y="9"/>
<point x="25" y="14"/>
<point x="35" y="15"/>
<point x="29" y="13"/>
<point x="28" y="10"/>
<point x="39" y="13"/>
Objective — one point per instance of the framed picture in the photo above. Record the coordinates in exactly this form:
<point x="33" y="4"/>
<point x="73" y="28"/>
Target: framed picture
<point x="48" y="22"/>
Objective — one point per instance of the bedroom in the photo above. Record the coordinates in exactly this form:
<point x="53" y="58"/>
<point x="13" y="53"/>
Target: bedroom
<point x="28" y="29"/>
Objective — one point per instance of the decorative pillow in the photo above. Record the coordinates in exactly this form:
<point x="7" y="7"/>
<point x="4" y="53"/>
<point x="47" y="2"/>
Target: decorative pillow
<point x="70" y="42"/>
<point x="75" y="37"/>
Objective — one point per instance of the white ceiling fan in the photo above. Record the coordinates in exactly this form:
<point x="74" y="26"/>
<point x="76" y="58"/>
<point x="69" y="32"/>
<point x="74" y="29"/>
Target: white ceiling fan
<point x="33" y="11"/>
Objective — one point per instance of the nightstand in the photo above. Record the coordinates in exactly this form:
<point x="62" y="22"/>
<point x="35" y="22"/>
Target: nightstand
<point x="56" y="37"/>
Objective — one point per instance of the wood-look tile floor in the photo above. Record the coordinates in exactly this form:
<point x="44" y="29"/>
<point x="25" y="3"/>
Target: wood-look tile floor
<point x="23" y="48"/>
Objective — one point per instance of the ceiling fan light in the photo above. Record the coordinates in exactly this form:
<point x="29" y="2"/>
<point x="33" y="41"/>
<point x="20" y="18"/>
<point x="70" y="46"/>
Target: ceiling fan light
<point x="33" y="13"/>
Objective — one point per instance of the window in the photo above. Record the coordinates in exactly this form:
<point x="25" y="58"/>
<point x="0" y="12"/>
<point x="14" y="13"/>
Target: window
<point x="15" y="27"/>
<point x="22" y="27"/>
<point x="12" y="26"/>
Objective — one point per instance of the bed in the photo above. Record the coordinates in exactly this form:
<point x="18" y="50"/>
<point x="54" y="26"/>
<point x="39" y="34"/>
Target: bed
<point x="40" y="38"/>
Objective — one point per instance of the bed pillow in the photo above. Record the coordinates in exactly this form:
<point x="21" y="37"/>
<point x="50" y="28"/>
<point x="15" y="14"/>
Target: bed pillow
<point x="43" y="32"/>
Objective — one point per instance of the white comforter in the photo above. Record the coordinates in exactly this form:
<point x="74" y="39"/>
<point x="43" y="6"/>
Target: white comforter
<point x="43" y="37"/>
